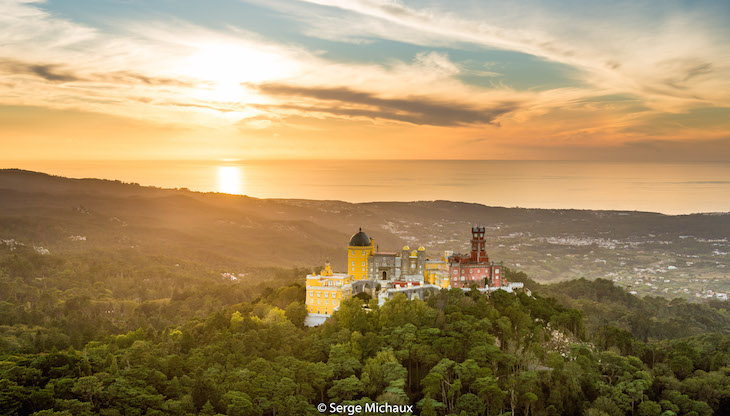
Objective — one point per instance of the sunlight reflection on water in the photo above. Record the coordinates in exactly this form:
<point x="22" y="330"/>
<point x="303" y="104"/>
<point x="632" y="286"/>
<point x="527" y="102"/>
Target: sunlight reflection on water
<point x="230" y="180"/>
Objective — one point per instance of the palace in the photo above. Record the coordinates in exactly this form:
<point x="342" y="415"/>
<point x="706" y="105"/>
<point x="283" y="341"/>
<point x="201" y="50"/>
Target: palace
<point x="383" y="274"/>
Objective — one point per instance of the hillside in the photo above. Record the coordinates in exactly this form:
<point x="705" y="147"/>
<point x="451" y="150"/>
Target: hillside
<point x="686" y="255"/>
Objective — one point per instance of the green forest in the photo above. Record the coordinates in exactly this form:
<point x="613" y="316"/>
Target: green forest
<point x="115" y="332"/>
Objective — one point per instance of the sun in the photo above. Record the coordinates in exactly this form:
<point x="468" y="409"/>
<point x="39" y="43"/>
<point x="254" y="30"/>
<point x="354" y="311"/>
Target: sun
<point x="223" y="70"/>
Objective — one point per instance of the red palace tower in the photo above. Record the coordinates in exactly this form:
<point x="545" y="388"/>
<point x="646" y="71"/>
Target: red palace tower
<point x="475" y="268"/>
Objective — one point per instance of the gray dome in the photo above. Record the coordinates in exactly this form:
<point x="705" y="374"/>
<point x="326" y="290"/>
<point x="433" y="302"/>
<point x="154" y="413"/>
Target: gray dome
<point x="360" y="239"/>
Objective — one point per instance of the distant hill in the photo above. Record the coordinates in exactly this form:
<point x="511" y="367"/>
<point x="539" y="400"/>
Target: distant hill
<point x="49" y="211"/>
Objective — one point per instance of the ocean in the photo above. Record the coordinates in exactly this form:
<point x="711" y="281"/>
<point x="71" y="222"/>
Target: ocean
<point x="670" y="188"/>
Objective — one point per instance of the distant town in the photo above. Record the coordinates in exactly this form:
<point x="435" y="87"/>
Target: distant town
<point x="647" y="258"/>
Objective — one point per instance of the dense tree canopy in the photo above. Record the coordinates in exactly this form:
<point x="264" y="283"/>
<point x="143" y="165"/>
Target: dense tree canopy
<point x="180" y="341"/>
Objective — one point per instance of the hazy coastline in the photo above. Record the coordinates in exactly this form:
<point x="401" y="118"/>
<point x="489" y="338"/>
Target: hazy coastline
<point x="669" y="188"/>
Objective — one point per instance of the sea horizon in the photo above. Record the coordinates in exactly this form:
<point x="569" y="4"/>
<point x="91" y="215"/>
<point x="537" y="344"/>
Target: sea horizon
<point x="671" y="188"/>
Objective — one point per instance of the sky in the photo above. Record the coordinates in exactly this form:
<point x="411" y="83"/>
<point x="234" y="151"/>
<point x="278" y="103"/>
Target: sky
<point x="364" y="79"/>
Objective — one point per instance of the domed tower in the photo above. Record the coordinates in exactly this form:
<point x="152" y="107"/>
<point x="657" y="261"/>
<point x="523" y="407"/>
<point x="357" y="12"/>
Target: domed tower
<point x="359" y="251"/>
<point x="421" y="260"/>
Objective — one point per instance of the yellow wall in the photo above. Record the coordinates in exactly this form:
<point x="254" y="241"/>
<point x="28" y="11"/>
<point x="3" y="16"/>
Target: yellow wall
<point x="357" y="261"/>
<point x="430" y="276"/>
<point x="437" y="277"/>
<point x="325" y="292"/>
<point x="443" y="280"/>
<point x="324" y="299"/>
<point x="437" y="273"/>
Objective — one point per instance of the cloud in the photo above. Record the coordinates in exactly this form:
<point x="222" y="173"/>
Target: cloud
<point x="128" y="77"/>
<point x="684" y="71"/>
<point x="178" y="72"/>
<point x="168" y="68"/>
<point x="141" y="73"/>
<point x="629" y="47"/>
<point x="49" y="72"/>
<point x="201" y="106"/>
<point x="416" y="110"/>
<point x="61" y="73"/>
